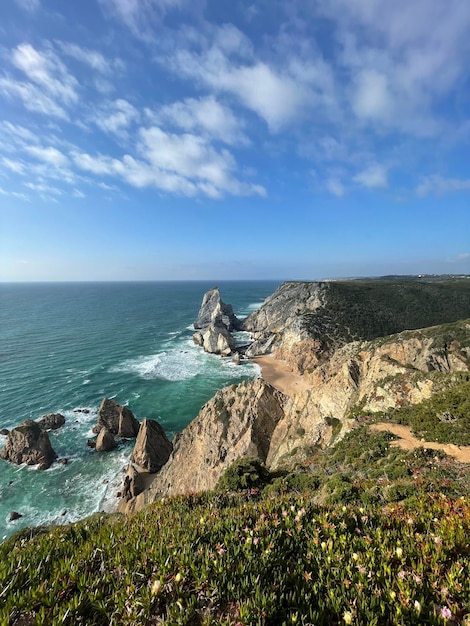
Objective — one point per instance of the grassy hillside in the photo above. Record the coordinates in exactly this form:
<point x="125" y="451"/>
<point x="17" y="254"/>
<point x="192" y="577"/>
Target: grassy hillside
<point x="245" y="559"/>
<point x="367" y="309"/>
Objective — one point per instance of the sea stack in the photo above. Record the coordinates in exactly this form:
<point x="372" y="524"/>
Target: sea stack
<point x="28" y="443"/>
<point x="215" y="323"/>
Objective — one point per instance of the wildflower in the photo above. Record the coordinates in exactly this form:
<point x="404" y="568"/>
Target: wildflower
<point x="355" y="556"/>
<point x="284" y="513"/>
<point x="418" y="580"/>
<point x="446" y="613"/>
<point x="410" y="522"/>
<point x="438" y="540"/>
<point x="399" y="552"/>
<point x="417" y="606"/>
<point x="307" y="576"/>
<point x="348" y="617"/>
<point x="323" y="545"/>
<point x="156" y="587"/>
<point x="402" y="574"/>
<point x="178" y="577"/>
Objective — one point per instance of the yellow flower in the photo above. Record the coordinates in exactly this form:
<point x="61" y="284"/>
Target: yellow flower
<point x="399" y="552"/>
<point x="178" y="577"/>
<point x="348" y="617"/>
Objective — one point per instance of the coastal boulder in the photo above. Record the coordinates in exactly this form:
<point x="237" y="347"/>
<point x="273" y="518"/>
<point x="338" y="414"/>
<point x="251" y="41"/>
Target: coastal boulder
<point x="215" y="312"/>
<point x="28" y="443"/>
<point x="51" y="421"/>
<point x="105" y="441"/>
<point x="215" y="340"/>
<point x="117" y="419"/>
<point x="152" y="447"/>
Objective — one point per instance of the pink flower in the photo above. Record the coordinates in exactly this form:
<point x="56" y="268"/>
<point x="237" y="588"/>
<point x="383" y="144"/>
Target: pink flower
<point x="446" y="613"/>
<point x="402" y="574"/>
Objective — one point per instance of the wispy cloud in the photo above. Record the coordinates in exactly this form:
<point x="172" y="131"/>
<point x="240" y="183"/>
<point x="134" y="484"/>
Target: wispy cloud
<point x="116" y="116"/>
<point x="49" y="88"/>
<point x="373" y="177"/>
<point x="29" y="5"/>
<point x="440" y="186"/>
<point x="203" y="115"/>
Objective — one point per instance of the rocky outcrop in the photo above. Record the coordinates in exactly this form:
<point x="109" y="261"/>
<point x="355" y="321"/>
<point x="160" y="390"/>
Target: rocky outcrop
<point x="216" y="340"/>
<point x="105" y="441"/>
<point x="28" y="443"/>
<point x="304" y="323"/>
<point x="238" y="422"/>
<point x="51" y="421"/>
<point x="118" y="419"/>
<point x="152" y="447"/>
<point x="215" y="323"/>
<point x="214" y="312"/>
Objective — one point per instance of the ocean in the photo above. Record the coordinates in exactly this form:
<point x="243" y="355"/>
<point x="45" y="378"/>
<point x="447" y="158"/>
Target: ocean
<point x="66" y="346"/>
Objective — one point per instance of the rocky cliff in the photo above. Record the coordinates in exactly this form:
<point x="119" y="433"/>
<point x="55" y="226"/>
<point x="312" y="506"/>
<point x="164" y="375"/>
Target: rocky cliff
<point x="310" y="326"/>
<point x="304" y="323"/>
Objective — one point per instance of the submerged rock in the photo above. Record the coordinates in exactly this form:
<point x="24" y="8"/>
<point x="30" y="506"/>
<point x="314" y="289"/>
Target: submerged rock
<point x="152" y="448"/>
<point x="51" y="421"/>
<point x="28" y="443"/>
<point x="116" y="418"/>
<point x="14" y="515"/>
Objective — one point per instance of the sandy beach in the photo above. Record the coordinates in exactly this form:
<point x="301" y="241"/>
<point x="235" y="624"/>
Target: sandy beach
<point x="280" y="375"/>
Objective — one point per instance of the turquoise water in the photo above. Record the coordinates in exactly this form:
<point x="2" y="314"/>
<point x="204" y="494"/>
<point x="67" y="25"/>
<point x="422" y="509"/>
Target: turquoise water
<point x="65" y="347"/>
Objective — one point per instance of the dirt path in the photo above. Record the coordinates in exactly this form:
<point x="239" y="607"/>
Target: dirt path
<point x="408" y="441"/>
<point x="279" y="374"/>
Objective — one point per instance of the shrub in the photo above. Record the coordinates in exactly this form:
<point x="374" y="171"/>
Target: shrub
<point x="247" y="473"/>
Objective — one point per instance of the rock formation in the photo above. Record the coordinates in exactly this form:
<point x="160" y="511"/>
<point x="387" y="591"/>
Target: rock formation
<point x="216" y="340"/>
<point x="28" y="443"/>
<point x="215" y="322"/>
<point x="133" y="485"/>
<point x="117" y="419"/>
<point x="105" y="441"/>
<point x="215" y="312"/>
<point x="237" y="422"/>
<point x="152" y="447"/>
<point x="51" y="421"/>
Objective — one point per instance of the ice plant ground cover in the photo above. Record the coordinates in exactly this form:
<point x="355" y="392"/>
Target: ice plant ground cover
<point x="246" y="558"/>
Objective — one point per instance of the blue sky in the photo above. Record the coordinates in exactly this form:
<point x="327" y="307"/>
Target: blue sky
<point x="204" y="139"/>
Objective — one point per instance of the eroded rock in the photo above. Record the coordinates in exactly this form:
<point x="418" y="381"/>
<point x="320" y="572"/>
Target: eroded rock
<point x="28" y="443"/>
<point x="152" y="447"/>
<point x="105" y="441"/>
<point x="116" y="418"/>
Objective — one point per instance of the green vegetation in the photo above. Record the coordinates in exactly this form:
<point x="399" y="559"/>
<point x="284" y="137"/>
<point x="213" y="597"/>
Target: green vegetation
<point x="237" y="559"/>
<point x="367" y="309"/>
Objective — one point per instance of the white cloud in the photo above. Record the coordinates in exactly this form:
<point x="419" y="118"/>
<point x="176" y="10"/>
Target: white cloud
<point x="274" y="95"/>
<point x="15" y="166"/>
<point x="49" y="155"/>
<point x="373" y="177"/>
<point x="78" y="194"/>
<point x="49" y="90"/>
<point x="46" y="70"/>
<point x="42" y="189"/>
<point x="372" y="98"/>
<point x="29" y="5"/>
<point x="440" y="186"/>
<point x="182" y="164"/>
<point x="139" y="15"/>
<point x="204" y="115"/>
<point x="335" y="187"/>
<point x="34" y="99"/>
<point x="116" y="117"/>
<point x="92" y="58"/>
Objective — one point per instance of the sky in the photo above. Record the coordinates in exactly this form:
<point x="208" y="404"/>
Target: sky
<point x="241" y="139"/>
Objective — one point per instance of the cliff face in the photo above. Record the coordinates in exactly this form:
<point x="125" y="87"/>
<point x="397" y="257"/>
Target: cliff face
<point x="255" y="419"/>
<point x="237" y="422"/>
<point x="304" y="323"/>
